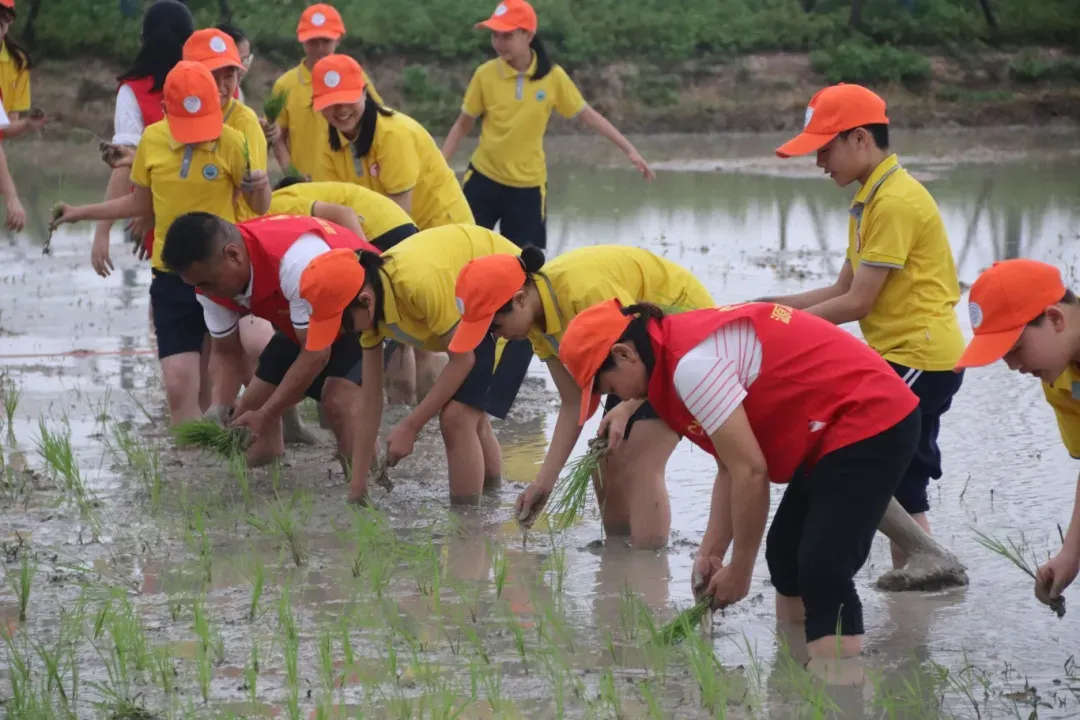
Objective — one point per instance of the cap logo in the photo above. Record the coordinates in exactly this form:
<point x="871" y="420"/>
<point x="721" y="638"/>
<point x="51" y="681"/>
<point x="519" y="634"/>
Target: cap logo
<point x="460" y="305"/>
<point x="809" y="116"/>
<point x="500" y="10"/>
<point x="217" y="44"/>
<point x="318" y="19"/>
<point x="332" y="79"/>
<point x="976" y="314"/>
<point x="192" y="104"/>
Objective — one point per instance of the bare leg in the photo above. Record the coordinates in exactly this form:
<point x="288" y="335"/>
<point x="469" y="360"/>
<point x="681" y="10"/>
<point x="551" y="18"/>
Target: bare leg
<point x="269" y="446"/>
<point x="460" y="426"/>
<point x="180" y="375"/>
<point x="899" y="558"/>
<point x="205" y="386"/>
<point x="341" y="400"/>
<point x="428" y="367"/>
<point x="401" y="376"/>
<point x="489" y="445"/>
<point x="930" y="566"/>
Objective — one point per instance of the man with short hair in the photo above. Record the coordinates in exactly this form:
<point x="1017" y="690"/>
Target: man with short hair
<point x="899" y="279"/>
<point x="256" y="266"/>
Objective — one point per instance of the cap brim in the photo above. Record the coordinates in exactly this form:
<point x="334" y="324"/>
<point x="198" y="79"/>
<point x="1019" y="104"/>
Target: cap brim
<point x="469" y="335"/>
<point x="319" y="33"/>
<point x="804" y="144"/>
<point x="988" y="348"/>
<point x="498" y="25"/>
<point x="190" y="131"/>
<point x="590" y="401"/>
<point x="342" y="97"/>
<point x="218" y="63"/>
<point x="322" y="333"/>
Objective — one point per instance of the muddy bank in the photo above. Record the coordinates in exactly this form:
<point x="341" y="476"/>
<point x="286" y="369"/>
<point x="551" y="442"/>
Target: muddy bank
<point x="752" y="93"/>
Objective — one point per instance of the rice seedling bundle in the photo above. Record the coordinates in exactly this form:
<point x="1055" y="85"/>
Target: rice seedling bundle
<point x="1016" y="554"/>
<point x="568" y="499"/>
<point x="209" y="435"/>
<point x="683" y="624"/>
<point x="274" y="104"/>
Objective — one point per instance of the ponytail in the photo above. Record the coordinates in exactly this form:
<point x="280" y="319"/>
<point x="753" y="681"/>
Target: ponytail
<point x="531" y="260"/>
<point x="371" y="262"/>
<point x="637" y="334"/>
<point x="543" y="62"/>
<point x="167" y="24"/>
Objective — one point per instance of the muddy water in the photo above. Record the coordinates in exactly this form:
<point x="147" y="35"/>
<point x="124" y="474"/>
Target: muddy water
<point x="80" y="350"/>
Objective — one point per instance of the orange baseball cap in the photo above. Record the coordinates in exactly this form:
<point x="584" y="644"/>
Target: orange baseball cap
<point x="336" y="79"/>
<point x="192" y="106"/>
<point x="1003" y="301"/>
<point x="483" y="286"/>
<point x="831" y="111"/>
<point x="585" y="346"/>
<point x="329" y="283"/>
<point x="511" y="15"/>
<point x="212" y="48"/>
<point x="10" y="4"/>
<point x="320" y="21"/>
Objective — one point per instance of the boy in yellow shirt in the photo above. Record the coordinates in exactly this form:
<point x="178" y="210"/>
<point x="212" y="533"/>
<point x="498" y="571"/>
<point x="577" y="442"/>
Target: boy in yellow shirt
<point x="899" y="279"/>
<point x="1022" y="313"/>
<point x="189" y="161"/>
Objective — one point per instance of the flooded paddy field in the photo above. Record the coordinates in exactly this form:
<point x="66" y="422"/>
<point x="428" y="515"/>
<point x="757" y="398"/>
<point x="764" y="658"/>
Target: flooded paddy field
<point x="140" y="581"/>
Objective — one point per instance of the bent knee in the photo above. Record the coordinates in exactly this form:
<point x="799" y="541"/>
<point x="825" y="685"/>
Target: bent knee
<point x="458" y="418"/>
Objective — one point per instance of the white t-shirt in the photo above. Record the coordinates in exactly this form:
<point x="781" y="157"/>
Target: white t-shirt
<point x="713" y="378"/>
<point x="5" y="122"/>
<point x="222" y="322"/>
<point x="127" y="118"/>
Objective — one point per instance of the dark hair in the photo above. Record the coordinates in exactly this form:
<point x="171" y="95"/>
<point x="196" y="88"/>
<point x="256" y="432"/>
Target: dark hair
<point x="362" y="145"/>
<point x="288" y="181"/>
<point x="1069" y="298"/>
<point x="232" y="31"/>
<point x="637" y="334"/>
<point x="20" y="56"/>
<point x="878" y="131"/>
<point x="372" y="263"/>
<point x="531" y="259"/>
<point x="167" y="24"/>
<point x="192" y="238"/>
<point x="543" y="62"/>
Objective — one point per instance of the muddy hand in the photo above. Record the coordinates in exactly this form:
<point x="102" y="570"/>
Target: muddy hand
<point x="400" y="443"/>
<point x="380" y="473"/>
<point x="16" y="216"/>
<point x="530" y="502"/>
<point x="219" y="414"/>
<point x="704" y="569"/>
<point x="253" y="180"/>
<point x="62" y="213"/>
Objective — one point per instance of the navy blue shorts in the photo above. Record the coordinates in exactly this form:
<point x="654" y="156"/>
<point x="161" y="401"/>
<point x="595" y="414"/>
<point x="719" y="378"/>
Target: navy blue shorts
<point x="645" y="412"/>
<point x="935" y="391"/>
<point x="281" y="352"/>
<point x="493" y="388"/>
<point x="178" y="317"/>
<point x="520" y="212"/>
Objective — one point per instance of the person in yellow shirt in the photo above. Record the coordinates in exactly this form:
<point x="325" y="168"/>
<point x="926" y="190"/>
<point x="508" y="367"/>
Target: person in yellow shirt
<point x="515" y="94"/>
<point x="525" y="298"/>
<point x="189" y="161"/>
<point x="899" y="279"/>
<point x="407" y="293"/>
<point x="1022" y="313"/>
<point x="380" y="220"/>
<point x="14" y="66"/>
<point x="299" y="133"/>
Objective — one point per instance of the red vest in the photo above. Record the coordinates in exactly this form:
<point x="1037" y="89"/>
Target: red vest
<point x="267" y="239"/>
<point x="819" y="388"/>
<point x="150" y="106"/>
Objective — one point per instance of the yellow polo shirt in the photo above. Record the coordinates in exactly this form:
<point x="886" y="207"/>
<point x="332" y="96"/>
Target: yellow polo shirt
<point x="1064" y="396"/>
<point x="895" y="223"/>
<point x="14" y="83"/>
<point x="418" y="280"/>
<point x="578" y="279"/>
<point x="307" y="129"/>
<point x="240" y="117"/>
<point x="378" y="214"/>
<point x="187" y="178"/>
<point x="403" y="157"/>
<point x="515" y="110"/>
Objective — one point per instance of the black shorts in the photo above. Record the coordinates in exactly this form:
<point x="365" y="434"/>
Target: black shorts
<point x="821" y="533"/>
<point x="390" y="238"/>
<point x="645" y="412"/>
<point x="178" y="317"/>
<point x="520" y="212"/>
<point x="281" y="352"/>
<point x="493" y="388"/>
<point x="935" y="391"/>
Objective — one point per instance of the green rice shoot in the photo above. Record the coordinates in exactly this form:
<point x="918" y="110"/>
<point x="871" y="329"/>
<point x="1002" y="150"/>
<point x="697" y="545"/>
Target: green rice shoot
<point x="683" y="624"/>
<point x="1017" y="555"/>
<point x="208" y="435"/>
<point x="247" y="156"/>
<point x="274" y="104"/>
<point x="568" y="499"/>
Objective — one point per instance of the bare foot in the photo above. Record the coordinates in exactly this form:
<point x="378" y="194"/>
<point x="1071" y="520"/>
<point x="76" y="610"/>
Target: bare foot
<point x="925" y="572"/>
<point x="358" y="494"/>
<point x="293" y="429"/>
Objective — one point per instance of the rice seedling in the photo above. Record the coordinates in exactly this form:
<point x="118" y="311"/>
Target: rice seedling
<point x="1017" y="554"/>
<point x="493" y="690"/>
<point x="290" y="638"/>
<point x="251" y="673"/>
<point x="652" y="704"/>
<point x="568" y="499"/>
<point x="238" y="468"/>
<point x="258" y="581"/>
<point x="22" y="582"/>
<point x="707" y="673"/>
<point x="23" y="700"/>
<point x="556" y="565"/>
<point x="202" y="648"/>
<point x="210" y="436"/>
<point x="609" y="695"/>
<point x="143" y="459"/>
<point x="12" y="395"/>
<point x="684" y="623"/>
<point x="164" y="670"/>
<point x="500" y="566"/>
<point x="325" y="646"/>
<point x="273" y="105"/>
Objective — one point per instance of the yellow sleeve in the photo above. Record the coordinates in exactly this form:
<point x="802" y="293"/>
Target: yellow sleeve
<point x="290" y="205"/>
<point x="372" y="92"/>
<point x="256" y="140"/>
<point x="280" y="86"/>
<point x="1067" y="412"/>
<point x="568" y="99"/>
<point x="541" y="347"/>
<point x="399" y="163"/>
<point x="473" y="104"/>
<point x="434" y="302"/>
<point x="595" y="293"/>
<point x="888" y="232"/>
<point x="140" y="167"/>
<point x="231" y="151"/>
<point x="370" y="339"/>
<point x="19" y="101"/>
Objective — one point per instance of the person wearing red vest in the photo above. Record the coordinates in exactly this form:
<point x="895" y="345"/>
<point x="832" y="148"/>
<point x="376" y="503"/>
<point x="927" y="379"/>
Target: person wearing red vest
<point x="256" y="266"/>
<point x="774" y="394"/>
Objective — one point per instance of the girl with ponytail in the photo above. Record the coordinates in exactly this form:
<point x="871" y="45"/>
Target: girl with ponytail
<point x="515" y="93"/>
<point x="513" y="298"/>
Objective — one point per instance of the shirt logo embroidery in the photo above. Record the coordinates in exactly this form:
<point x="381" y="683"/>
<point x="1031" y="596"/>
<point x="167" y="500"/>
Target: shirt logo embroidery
<point x="781" y="313"/>
<point x="694" y="428"/>
<point x="210" y="172"/>
<point x="540" y="95"/>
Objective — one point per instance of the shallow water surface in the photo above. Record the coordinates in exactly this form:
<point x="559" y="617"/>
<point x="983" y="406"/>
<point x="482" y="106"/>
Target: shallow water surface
<point x="79" y="350"/>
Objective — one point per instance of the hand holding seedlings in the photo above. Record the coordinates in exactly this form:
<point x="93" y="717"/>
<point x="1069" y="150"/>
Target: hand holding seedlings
<point x="400" y="443"/>
<point x="705" y="566"/>
<point x="253" y="180"/>
<point x="254" y="421"/>
<point x="116" y="156"/>
<point x="1053" y="577"/>
<point x="380" y="473"/>
<point x="62" y="213"/>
